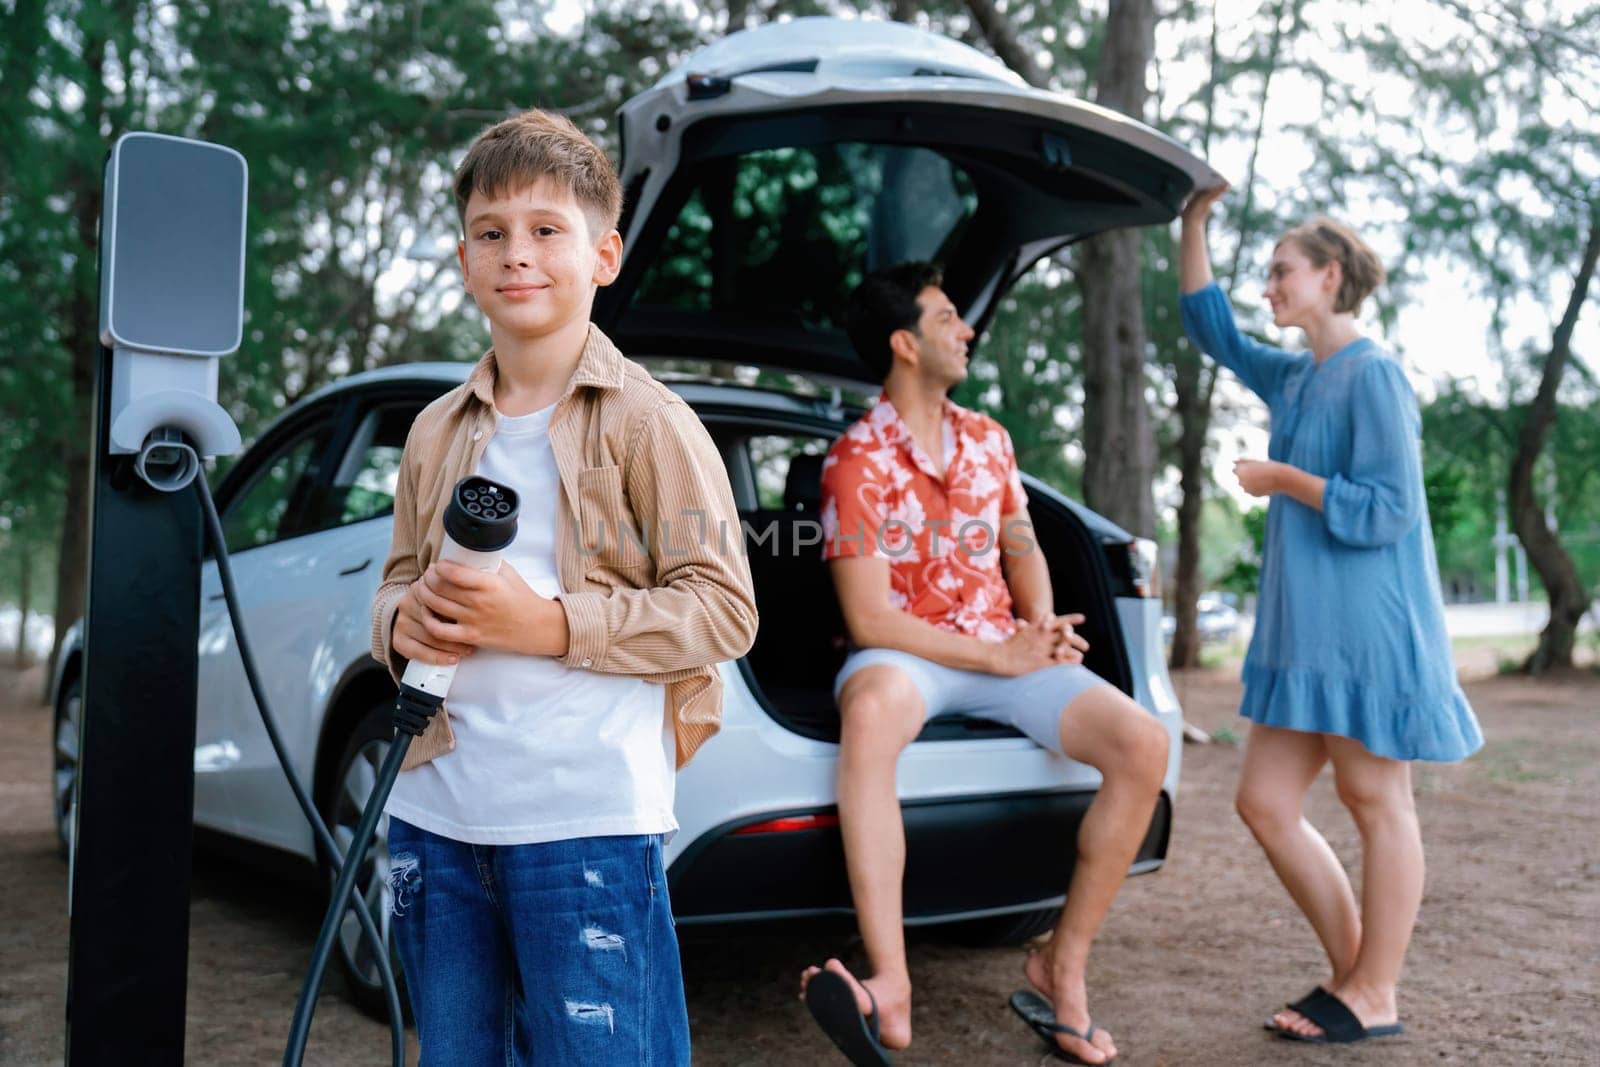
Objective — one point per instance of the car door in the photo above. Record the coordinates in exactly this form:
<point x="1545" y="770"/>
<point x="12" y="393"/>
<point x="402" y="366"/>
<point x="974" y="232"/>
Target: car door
<point x="310" y="597"/>
<point x="263" y="516"/>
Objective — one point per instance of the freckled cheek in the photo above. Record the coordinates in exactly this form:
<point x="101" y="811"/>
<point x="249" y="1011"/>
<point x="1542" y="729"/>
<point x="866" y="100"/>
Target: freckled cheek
<point x="482" y="262"/>
<point x="560" y="264"/>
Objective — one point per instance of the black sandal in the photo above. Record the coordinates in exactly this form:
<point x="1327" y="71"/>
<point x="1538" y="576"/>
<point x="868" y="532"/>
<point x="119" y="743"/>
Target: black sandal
<point x="1296" y="1005"/>
<point x="833" y="1004"/>
<point x="1040" y="1015"/>
<point x="1339" y="1024"/>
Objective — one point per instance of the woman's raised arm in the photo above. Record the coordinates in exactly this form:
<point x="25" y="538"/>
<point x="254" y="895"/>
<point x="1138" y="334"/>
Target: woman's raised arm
<point x="1194" y="258"/>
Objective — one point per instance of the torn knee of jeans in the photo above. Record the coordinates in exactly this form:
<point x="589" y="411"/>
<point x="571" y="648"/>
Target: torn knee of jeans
<point x="593" y="879"/>
<point x="598" y="940"/>
<point x="592" y="1015"/>
<point x="405" y="879"/>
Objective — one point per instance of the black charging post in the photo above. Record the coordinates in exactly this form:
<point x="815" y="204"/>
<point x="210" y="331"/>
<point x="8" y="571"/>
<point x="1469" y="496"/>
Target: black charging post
<point x="172" y="267"/>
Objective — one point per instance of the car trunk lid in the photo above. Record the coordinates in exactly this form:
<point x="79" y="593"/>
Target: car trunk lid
<point x="772" y="169"/>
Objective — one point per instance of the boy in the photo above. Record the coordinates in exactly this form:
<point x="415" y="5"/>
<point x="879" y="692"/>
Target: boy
<point x="529" y="898"/>
<point x="946" y="621"/>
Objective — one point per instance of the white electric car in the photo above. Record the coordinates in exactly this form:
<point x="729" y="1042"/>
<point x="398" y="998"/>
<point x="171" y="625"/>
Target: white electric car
<point x="762" y="178"/>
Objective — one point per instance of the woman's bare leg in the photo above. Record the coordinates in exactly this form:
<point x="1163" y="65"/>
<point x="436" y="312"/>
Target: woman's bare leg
<point x="1279" y="767"/>
<point x="1377" y="791"/>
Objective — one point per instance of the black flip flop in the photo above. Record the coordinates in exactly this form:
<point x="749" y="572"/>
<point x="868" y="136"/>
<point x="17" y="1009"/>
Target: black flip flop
<point x="833" y="1004"/>
<point x="1339" y="1024"/>
<point x="1297" y="1005"/>
<point x="1040" y="1015"/>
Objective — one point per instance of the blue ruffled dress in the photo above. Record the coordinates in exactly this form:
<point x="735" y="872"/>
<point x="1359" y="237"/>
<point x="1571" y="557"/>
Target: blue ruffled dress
<point x="1350" y="636"/>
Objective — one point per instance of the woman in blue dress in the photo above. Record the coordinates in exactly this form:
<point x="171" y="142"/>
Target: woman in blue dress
<point x="1350" y="663"/>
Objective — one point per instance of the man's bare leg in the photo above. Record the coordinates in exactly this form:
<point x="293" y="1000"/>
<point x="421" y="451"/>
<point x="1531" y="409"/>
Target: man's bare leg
<point x="880" y="713"/>
<point x="1128" y="746"/>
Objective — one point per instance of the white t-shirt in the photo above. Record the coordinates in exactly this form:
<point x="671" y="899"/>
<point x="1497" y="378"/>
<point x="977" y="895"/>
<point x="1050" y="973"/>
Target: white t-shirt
<point x="544" y="752"/>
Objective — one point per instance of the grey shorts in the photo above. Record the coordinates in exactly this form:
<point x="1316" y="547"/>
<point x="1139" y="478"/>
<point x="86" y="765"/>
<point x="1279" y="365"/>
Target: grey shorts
<point x="1031" y="703"/>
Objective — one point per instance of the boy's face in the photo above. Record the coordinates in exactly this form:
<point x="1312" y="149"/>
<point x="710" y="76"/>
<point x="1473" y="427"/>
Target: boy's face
<point x="529" y="260"/>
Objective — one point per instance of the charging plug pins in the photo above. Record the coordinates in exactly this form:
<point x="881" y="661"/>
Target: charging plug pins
<point x="487" y="503"/>
<point x="481" y="516"/>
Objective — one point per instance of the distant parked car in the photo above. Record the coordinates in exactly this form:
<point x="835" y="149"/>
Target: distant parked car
<point x="1217" y="621"/>
<point x="763" y="177"/>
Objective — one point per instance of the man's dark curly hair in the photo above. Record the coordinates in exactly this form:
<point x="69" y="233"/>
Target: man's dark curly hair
<point x="886" y="301"/>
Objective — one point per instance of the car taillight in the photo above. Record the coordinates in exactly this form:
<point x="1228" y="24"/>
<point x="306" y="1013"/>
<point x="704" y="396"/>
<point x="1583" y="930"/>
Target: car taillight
<point x="1143" y="567"/>
<point x="789" y="824"/>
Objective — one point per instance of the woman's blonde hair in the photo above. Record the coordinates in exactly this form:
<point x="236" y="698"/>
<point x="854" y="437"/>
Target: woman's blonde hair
<point x="1325" y="241"/>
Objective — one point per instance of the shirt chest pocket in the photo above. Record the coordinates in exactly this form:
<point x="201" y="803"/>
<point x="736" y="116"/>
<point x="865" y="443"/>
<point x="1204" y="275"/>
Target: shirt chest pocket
<point x="610" y="538"/>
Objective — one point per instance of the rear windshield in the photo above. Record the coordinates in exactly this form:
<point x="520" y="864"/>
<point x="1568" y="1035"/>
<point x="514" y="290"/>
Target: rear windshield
<point x="784" y="234"/>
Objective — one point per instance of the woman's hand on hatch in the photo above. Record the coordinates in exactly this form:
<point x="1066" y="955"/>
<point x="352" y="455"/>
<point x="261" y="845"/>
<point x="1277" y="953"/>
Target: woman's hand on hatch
<point x="1201" y="201"/>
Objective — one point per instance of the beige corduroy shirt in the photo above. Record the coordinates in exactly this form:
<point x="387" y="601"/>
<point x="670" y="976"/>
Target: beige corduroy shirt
<point x="648" y="542"/>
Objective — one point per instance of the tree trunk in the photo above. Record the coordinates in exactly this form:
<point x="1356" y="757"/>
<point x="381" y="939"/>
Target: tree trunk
<point x="1568" y="598"/>
<point x="1194" y="423"/>
<point x="24" y="603"/>
<point x="1003" y="39"/>
<point x="19" y="71"/>
<point x="81" y="337"/>
<point x="1194" y="416"/>
<point x="1119" y="445"/>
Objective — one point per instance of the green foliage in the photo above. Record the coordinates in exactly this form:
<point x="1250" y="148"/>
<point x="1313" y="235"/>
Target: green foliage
<point x="782" y="236"/>
<point x="1243" y="574"/>
<point x="1026" y="372"/>
<point x="1227" y="536"/>
<point x="1467" y="448"/>
<point x="352" y="117"/>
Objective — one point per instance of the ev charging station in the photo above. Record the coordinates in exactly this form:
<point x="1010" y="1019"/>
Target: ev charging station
<point x="172" y="241"/>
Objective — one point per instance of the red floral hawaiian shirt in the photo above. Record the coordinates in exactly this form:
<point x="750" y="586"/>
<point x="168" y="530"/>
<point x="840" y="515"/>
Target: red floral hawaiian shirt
<point x="883" y="497"/>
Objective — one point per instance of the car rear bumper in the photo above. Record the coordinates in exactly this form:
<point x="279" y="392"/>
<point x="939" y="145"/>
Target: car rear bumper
<point x="965" y="857"/>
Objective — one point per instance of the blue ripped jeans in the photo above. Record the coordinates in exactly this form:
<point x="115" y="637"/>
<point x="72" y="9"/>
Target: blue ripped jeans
<point x="553" y="953"/>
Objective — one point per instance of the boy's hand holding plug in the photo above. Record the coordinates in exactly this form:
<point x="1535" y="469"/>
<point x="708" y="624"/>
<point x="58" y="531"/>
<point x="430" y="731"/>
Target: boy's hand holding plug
<point x="453" y="609"/>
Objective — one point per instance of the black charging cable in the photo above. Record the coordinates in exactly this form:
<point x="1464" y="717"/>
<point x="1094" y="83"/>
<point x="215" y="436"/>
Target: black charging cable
<point x="347" y="866"/>
<point x="294" y="1052"/>
<point x="479" y="522"/>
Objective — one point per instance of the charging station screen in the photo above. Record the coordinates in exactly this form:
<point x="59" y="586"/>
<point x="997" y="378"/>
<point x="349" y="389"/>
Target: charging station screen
<point x="175" y="249"/>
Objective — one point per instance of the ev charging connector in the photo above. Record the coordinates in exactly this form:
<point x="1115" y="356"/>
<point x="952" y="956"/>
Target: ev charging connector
<point x="479" y="523"/>
<point x="166" y="461"/>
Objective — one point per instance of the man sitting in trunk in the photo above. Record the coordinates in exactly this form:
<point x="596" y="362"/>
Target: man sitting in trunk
<point x="948" y="603"/>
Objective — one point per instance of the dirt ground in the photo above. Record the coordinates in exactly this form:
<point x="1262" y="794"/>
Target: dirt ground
<point x="1505" y="966"/>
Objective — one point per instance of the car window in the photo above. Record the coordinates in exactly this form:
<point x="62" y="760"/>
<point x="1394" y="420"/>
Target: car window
<point x="786" y="233"/>
<point x="264" y="511"/>
<point x="771" y="457"/>
<point x="363" y="484"/>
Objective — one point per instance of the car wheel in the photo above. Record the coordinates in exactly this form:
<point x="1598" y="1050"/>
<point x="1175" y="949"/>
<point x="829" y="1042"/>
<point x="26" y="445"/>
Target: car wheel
<point x="353" y="779"/>
<point x="64" y="782"/>
<point x="999" y="930"/>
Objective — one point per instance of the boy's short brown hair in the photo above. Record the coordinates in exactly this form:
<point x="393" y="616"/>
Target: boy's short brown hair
<point x="537" y="144"/>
